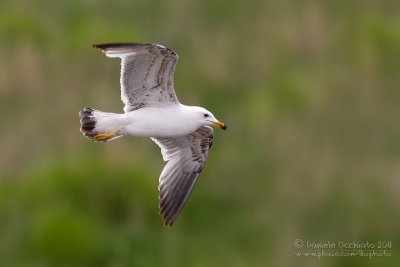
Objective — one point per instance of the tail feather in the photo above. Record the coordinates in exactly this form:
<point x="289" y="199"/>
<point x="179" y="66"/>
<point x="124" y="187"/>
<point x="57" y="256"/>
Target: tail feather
<point x="89" y="119"/>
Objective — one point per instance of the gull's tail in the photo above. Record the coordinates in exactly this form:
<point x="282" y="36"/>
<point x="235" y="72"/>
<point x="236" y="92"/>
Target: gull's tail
<point x="99" y="126"/>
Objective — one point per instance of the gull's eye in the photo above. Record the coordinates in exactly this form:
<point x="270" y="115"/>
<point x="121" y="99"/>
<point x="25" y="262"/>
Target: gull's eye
<point x="206" y="115"/>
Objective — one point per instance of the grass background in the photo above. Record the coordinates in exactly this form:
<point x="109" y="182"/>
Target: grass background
<point x="309" y="90"/>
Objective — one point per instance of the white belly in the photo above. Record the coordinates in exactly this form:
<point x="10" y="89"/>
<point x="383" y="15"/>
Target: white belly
<point x="157" y="122"/>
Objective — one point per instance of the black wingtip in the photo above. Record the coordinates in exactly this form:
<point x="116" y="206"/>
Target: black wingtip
<point x="168" y="225"/>
<point x="118" y="45"/>
<point x="108" y="46"/>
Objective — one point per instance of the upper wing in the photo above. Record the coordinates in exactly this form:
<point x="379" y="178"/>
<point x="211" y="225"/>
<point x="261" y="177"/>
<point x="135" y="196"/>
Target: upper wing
<point x="147" y="74"/>
<point x="186" y="156"/>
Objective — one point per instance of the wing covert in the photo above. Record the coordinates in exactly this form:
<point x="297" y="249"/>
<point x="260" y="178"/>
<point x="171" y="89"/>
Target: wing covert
<point x="147" y="74"/>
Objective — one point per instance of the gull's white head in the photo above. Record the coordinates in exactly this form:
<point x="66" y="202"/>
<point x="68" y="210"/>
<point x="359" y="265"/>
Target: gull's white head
<point x="205" y="117"/>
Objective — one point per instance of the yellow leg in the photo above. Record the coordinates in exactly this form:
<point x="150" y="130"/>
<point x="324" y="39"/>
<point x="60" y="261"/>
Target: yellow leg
<point x="102" y="137"/>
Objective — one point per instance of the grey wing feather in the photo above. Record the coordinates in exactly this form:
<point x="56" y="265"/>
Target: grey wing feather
<point x="147" y="74"/>
<point x="186" y="157"/>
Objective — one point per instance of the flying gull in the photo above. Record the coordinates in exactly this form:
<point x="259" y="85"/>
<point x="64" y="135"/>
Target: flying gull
<point x="152" y="110"/>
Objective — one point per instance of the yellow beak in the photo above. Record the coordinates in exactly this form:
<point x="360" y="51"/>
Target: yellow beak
<point x="219" y="124"/>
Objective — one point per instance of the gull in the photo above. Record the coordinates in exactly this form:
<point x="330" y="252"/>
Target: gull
<point x="152" y="110"/>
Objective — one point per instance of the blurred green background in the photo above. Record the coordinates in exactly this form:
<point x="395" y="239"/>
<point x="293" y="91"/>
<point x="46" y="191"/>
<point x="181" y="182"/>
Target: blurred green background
<point x="309" y="89"/>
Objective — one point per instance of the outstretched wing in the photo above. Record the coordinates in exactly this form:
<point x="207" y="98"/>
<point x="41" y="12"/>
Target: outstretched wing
<point x="186" y="156"/>
<point x="147" y="74"/>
